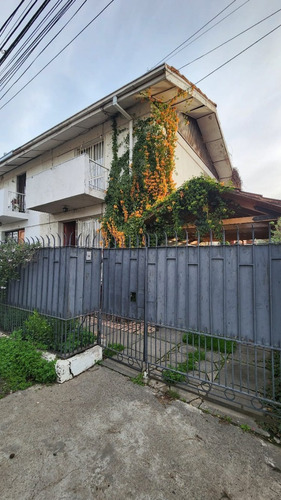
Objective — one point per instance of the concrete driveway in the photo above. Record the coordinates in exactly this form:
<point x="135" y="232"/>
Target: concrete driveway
<point x="100" y="436"/>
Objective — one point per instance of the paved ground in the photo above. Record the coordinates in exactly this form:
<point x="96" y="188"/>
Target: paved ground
<point x="100" y="436"/>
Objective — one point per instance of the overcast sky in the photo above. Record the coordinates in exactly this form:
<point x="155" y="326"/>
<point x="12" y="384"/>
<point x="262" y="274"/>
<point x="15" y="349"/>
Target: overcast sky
<point x="131" y="37"/>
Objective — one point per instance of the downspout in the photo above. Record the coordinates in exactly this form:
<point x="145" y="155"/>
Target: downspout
<point x="126" y="115"/>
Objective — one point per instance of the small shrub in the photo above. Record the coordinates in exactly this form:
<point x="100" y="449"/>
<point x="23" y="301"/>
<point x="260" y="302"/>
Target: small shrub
<point x="112" y="350"/>
<point x="21" y="366"/>
<point x="174" y="374"/>
<point x="209" y="342"/>
<point x="37" y="329"/>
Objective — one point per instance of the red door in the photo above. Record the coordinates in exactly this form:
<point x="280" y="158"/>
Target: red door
<point x="69" y="229"/>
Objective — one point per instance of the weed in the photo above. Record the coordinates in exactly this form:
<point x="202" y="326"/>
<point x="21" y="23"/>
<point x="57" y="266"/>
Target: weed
<point x="112" y="350"/>
<point x="245" y="428"/>
<point x="174" y="374"/>
<point x="209" y="342"/>
<point x="173" y="394"/>
<point x="21" y="366"/>
<point x="138" y="379"/>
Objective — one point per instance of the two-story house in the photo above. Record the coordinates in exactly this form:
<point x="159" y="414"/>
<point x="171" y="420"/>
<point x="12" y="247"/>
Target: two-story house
<point x="56" y="182"/>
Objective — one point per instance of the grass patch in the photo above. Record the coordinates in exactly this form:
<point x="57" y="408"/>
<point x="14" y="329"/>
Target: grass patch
<point x="112" y="350"/>
<point x="172" y="394"/>
<point x="272" y="421"/>
<point x="209" y="342"/>
<point x="172" y="374"/>
<point x="21" y="366"/>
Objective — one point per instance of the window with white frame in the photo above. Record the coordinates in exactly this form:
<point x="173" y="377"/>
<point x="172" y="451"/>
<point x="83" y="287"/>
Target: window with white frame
<point x="98" y="173"/>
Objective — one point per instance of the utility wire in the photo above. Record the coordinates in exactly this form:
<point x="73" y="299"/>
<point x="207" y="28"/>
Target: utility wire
<point x="230" y="39"/>
<point x="7" y="22"/>
<point x="17" y="21"/>
<point x="24" y="31"/>
<point x="62" y="50"/>
<point x="191" y="36"/>
<point x="46" y="46"/>
<point x="206" y="31"/>
<point x="239" y="53"/>
<point x="14" y="28"/>
<point x="25" y="54"/>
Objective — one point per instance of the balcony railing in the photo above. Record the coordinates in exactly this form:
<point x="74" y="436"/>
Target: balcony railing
<point x="98" y="176"/>
<point x="16" y="202"/>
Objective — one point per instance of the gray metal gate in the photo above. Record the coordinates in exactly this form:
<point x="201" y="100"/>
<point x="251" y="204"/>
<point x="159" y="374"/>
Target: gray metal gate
<point x="208" y="317"/>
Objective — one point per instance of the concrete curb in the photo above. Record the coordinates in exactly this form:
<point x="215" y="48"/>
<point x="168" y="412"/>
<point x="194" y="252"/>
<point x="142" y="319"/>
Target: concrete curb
<point x="66" y="369"/>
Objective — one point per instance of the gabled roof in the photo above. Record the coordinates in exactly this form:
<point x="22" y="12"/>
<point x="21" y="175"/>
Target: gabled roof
<point x="163" y="82"/>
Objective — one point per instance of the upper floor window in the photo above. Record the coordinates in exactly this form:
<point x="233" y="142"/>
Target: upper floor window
<point x="95" y="152"/>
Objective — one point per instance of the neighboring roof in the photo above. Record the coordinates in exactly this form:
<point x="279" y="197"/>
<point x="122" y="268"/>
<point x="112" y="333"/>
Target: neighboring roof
<point x="162" y="82"/>
<point x="251" y="213"/>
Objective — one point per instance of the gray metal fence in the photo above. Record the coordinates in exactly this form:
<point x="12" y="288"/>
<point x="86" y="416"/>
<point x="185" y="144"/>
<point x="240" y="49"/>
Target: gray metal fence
<point x="232" y="291"/>
<point x="206" y="317"/>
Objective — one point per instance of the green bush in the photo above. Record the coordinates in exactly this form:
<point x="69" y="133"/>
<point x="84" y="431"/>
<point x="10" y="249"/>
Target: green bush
<point x="112" y="350"/>
<point x="174" y="374"/>
<point x="209" y="342"/>
<point x="21" y="366"/>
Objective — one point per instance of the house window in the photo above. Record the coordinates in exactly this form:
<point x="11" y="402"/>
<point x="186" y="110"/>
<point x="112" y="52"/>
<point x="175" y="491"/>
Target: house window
<point x="95" y="152"/>
<point x="17" y="235"/>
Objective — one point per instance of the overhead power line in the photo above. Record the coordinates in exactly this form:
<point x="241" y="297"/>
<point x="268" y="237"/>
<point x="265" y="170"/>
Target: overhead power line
<point x="58" y="53"/>
<point x="230" y="39"/>
<point x="24" y="54"/>
<point x="239" y="53"/>
<point x="206" y="31"/>
<point x="24" y="31"/>
<point x="7" y="22"/>
<point x="191" y="36"/>
<point x="38" y="55"/>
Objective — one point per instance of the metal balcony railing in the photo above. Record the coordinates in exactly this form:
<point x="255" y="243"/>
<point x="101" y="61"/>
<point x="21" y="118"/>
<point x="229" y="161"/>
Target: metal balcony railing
<point x="98" y="176"/>
<point x="16" y="202"/>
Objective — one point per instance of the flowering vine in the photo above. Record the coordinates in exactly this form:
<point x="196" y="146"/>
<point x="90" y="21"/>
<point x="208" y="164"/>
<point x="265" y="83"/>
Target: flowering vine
<point x="134" y="189"/>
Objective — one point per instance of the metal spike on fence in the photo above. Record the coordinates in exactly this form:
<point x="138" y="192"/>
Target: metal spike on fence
<point x="156" y="240"/>
<point x="49" y="241"/>
<point x="253" y="234"/>
<point x="87" y="240"/>
<point x="114" y="242"/>
<point x="59" y="239"/>
<point x="269" y="232"/>
<point x="77" y="239"/>
<point x="176" y="238"/>
<point x="238" y="236"/>
<point x="147" y="240"/>
<point x="33" y="241"/>
<point x="211" y="237"/>
<point x="54" y="239"/>
<point x="28" y="241"/>
<point x="186" y="238"/>
<point x="198" y="238"/>
<point x="166" y="239"/>
<point x="42" y="241"/>
<point x="223" y="236"/>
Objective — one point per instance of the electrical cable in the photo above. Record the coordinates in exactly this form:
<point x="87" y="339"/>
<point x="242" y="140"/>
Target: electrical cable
<point x="7" y="22"/>
<point x="24" y="31"/>
<point x="230" y="39"/>
<point x="206" y="31"/>
<point x="191" y="36"/>
<point x="62" y="50"/>
<point x="46" y="46"/>
<point x="19" y="23"/>
<point x="25" y="54"/>
<point x="239" y="53"/>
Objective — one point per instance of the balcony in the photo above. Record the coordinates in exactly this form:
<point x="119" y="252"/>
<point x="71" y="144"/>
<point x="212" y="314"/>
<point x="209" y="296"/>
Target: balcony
<point x="12" y="207"/>
<point x="76" y="183"/>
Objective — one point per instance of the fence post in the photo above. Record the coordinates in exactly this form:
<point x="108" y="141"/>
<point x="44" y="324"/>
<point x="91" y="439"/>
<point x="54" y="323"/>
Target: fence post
<point x="145" y="364"/>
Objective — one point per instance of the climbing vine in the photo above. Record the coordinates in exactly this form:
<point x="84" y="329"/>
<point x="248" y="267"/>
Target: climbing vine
<point x="134" y="189"/>
<point x="141" y="197"/>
